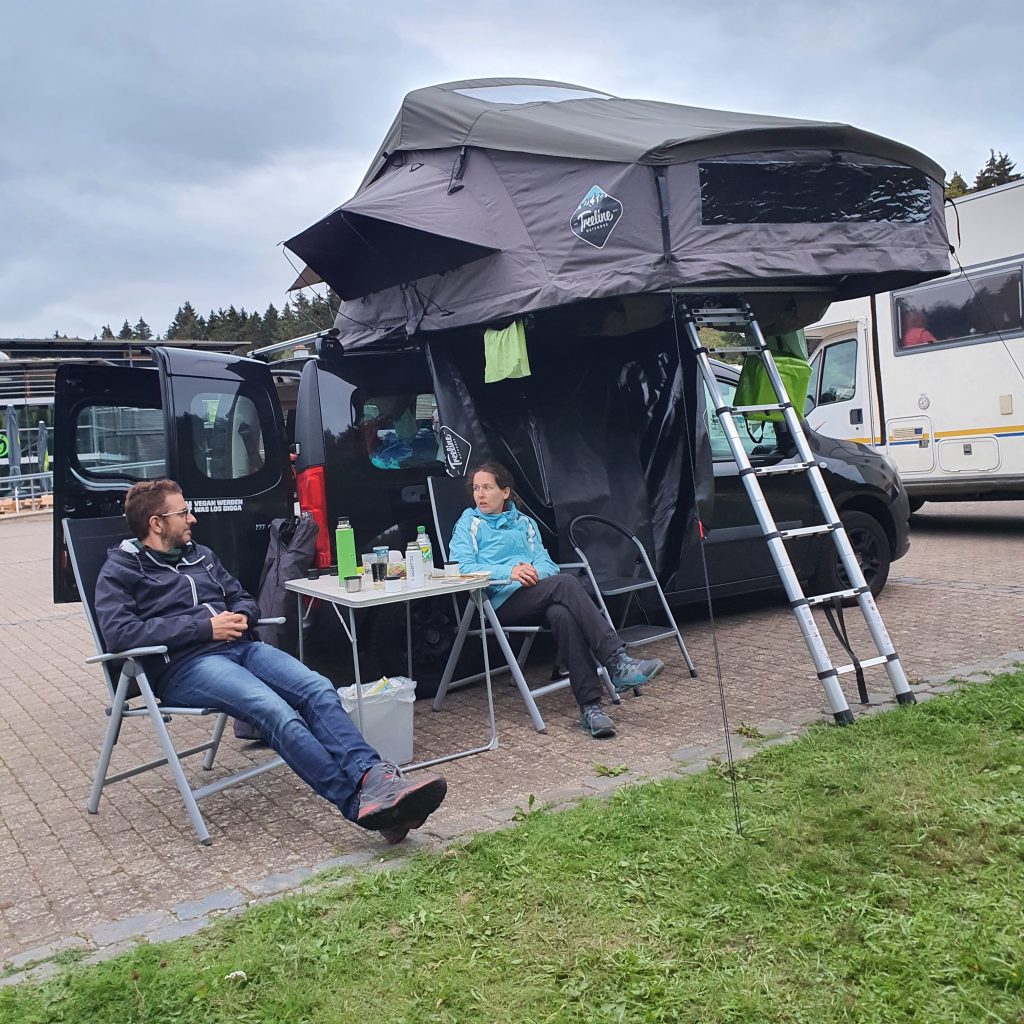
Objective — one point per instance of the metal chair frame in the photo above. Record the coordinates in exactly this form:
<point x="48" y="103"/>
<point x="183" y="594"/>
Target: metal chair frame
<point x="84" y="540"/>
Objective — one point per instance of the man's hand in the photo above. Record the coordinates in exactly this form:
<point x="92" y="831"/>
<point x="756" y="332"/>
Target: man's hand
<point x="229" y="626"/>
<point x="524" y="573"/>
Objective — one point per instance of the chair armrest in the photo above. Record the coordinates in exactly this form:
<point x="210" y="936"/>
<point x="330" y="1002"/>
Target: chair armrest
<point x="571" y="565"/>
<point x="135" y="652"/>
<point x="277" y="620"/>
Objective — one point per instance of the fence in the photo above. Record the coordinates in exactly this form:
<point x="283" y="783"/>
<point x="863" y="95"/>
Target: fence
<point x="26" y="492"/>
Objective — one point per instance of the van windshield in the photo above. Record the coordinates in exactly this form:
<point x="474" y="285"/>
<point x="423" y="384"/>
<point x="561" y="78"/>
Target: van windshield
<point x="399" y="431"/>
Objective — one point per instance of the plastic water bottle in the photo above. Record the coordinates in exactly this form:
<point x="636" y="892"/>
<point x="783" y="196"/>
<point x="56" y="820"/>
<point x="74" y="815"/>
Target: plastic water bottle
<point x="423" y="542"/>
<point x="415" y="577"/>
<point x="345" y="544"/>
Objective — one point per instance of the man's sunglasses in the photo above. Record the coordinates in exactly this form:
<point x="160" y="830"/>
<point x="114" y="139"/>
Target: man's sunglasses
<point x="181" y="511"/>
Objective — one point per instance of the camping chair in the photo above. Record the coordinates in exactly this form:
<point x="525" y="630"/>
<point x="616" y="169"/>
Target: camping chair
<point x="88" y="541"/>
<point x="631" y="587"/>
<point x="448" y="502"/>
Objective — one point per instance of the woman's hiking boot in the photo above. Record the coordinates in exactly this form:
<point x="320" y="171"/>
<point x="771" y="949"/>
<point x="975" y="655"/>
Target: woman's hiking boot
<point x="627" y="673"/>
<point x="596" y="721"/>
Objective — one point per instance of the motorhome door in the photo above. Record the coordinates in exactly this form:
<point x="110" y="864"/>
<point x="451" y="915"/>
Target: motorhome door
<point x="840" y="384"/>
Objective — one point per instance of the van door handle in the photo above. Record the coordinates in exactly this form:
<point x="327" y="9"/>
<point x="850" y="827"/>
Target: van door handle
<point x="856" y="417"/>
<point x="413" y="494"/>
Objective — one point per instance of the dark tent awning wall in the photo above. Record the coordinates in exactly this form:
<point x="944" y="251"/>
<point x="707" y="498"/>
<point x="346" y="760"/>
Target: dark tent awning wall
<point x="498" y="197"/>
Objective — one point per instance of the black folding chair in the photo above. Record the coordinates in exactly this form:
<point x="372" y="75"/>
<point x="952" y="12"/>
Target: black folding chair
<point x="88" y="541"/>
<point x="631" y="587"/>
<point x="448" y="502"/>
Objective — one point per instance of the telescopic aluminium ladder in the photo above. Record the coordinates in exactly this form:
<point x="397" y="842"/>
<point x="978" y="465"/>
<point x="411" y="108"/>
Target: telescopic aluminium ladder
<point x="739" y="318"/>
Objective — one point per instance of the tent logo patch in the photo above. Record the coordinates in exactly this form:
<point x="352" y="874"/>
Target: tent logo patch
<point x="595" y="217"/>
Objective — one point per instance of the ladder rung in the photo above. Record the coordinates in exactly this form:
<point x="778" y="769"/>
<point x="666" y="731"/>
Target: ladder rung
<point x="826" y="598"/>
<point x="808" y="531"/>
<point x="790" y="467"/>
<point x="744" y="409"/>
<point x="734" y="349"/>
<point x="880" y="660"/>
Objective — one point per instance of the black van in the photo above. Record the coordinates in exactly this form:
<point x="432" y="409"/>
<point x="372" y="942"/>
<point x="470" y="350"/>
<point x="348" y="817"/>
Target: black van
<point x="249" y="441"/>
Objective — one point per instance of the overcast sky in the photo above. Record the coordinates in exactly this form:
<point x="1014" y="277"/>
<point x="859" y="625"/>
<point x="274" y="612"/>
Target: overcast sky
<point x="153" y="153"/>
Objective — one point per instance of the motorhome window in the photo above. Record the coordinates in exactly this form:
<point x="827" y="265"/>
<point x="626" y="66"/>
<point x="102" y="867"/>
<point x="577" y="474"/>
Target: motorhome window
<point x="120" y="441"/>
<point x="966" y="309"/>
<point x="399" y="431"/>
<point x="757" y="437"/>
<point x="811" y="192"/>
<point x="838" y="372"/>
<point x="226" y="434"/>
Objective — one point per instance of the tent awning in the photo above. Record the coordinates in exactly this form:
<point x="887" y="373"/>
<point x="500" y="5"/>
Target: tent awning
<point x="404" y="227"/>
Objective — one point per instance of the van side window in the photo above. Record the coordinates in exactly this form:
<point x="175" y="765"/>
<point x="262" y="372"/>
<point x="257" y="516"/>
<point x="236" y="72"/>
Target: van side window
<point x="756" y="436"/>
<point x="227" y="437"/>
<point x="120" y="441"/>
<point x="838" y="372"/>
<point x="399" y="431"/>
<point x="975" y="307"/>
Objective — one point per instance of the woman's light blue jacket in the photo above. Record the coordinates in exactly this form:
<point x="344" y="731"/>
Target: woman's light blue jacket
<point x="497" y="542"/>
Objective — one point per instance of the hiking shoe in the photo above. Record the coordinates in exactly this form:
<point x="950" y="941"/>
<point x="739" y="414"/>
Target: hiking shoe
<point x="627" y="673"/>
<point x="596" y="721"/>
<point x="389" y="802"/>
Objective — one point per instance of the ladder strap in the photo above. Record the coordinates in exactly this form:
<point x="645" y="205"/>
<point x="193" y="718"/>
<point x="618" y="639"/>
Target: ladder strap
<point x="837" y="620"/>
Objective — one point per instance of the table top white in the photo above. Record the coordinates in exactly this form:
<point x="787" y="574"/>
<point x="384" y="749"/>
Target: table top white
<point x="327" y="588"/>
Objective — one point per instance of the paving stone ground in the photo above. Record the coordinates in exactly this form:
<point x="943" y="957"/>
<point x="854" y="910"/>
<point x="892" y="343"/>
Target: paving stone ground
<point x="69" y="880"/>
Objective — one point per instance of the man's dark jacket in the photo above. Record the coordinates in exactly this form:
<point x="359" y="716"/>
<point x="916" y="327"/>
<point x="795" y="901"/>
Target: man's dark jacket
<point x="142" y="601"/>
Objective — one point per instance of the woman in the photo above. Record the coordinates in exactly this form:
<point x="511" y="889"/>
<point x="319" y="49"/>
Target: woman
<point x="494" y="536"/>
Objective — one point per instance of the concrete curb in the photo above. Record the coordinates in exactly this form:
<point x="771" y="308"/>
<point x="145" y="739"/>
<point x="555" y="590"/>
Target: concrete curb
<point x="111" y="938"/>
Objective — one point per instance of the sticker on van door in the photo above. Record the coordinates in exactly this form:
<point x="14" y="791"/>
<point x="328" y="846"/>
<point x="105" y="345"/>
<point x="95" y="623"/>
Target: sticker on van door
<point x="457" y="451"/>
<point x="217" y="505"/>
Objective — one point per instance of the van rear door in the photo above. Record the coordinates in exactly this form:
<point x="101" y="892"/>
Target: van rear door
<point x="211" y="422"/>
<point x="226" y="446"/>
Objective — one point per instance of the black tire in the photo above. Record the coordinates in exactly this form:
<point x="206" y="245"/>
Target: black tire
<point x="383" y="643"/>
<point x="871" y="546"/>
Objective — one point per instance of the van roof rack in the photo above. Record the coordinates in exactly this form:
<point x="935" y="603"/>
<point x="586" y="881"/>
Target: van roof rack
<point x="318" y="338"/>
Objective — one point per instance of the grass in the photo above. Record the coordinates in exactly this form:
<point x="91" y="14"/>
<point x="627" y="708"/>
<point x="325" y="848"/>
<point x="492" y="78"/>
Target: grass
<point x="879" y="879"/>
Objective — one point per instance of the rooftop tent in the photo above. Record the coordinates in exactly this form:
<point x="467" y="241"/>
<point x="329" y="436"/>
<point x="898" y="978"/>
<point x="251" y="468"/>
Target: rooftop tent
<point x="497" y="197"/>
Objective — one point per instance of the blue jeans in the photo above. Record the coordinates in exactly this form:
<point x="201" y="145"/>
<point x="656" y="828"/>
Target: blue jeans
<point x="297" y="710"/>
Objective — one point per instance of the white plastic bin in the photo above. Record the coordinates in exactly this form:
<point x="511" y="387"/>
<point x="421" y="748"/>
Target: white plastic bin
<point x="387" y="715"/>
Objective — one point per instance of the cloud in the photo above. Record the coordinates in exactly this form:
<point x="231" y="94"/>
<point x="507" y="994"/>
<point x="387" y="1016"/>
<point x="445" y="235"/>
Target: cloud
<point x="157" y="153"/>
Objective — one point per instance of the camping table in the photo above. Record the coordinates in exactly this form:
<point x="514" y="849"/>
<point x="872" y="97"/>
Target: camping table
<point x="327" y="588"/>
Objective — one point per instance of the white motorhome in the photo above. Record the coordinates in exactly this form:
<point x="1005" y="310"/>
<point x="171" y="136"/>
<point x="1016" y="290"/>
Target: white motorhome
<point x="934" y="375"/>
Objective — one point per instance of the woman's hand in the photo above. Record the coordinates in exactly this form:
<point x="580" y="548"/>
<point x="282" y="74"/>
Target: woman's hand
<point x="524" y="573"/>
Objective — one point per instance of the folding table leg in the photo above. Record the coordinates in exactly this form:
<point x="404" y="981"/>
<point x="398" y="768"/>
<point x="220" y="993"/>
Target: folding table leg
<point x="453" y="658"/>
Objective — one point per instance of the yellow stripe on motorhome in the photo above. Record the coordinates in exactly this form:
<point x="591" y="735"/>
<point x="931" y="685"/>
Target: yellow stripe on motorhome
<point x="1008" y="429"/>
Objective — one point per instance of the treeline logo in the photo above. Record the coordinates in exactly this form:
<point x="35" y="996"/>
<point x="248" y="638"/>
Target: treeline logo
<point x="457" y="451"/>
<point x="595" y="217"/>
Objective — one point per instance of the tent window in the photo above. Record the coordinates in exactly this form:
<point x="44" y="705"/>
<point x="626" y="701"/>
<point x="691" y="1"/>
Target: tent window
<point x="974" y="307"/>
<point x="821" y="192"/>
<point x="529" y="94"/>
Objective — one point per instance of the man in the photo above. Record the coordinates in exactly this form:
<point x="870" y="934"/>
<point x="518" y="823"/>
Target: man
<point x="163" y="588"/>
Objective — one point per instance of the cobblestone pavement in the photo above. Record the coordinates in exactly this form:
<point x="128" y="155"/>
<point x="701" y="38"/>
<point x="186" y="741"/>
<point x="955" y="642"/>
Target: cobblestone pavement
<point x="69" y="879"/>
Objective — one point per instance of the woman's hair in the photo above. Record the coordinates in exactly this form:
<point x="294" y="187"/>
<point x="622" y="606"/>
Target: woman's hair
<point x="144" y="500"/>
<point x="502" y="477"/>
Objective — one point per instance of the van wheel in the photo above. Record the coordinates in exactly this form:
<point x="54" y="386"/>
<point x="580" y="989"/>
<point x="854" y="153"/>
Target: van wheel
<point x="433" y="633"/>
<point x="871" y="546"/>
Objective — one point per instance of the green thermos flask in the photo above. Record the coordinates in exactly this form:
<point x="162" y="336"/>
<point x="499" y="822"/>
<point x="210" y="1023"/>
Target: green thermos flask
<point x="345" y="543"/>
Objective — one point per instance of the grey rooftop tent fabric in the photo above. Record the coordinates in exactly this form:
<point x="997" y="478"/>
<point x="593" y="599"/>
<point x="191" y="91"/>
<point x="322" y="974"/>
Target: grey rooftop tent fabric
<point x="493" y="198"/>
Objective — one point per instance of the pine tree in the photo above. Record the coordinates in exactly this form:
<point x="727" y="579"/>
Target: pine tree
<point x="126" y="331"/>
<point x="956" y="187"/>
<point x="270" y="326"/>
<point x="998" y="170"/>
<point x="107" y="332"/>
<point x="186" y="325"/>
<point x="142" y="330"/>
